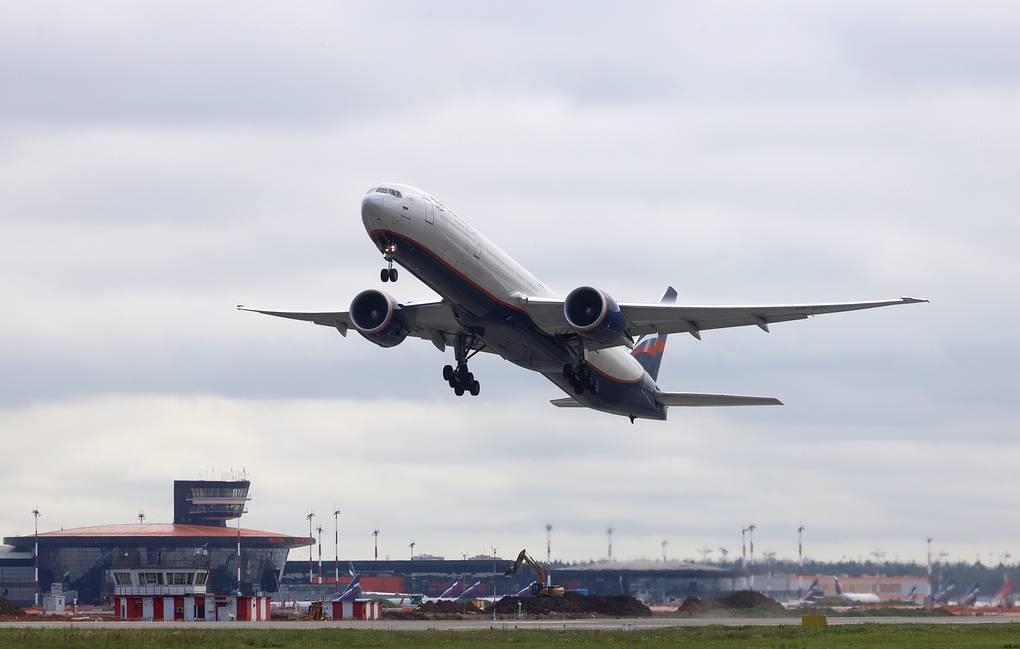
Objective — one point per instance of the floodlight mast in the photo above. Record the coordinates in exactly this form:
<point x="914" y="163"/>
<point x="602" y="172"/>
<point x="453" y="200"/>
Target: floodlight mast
<point x="800" y="562"/>
<point x="311" y="539"/>
<point x="336" y="548"/>
<point x="548" y="554"/>
<point x="750" y="542"/>
<point x="35" y="554"/>
<point x="319" y="530"/>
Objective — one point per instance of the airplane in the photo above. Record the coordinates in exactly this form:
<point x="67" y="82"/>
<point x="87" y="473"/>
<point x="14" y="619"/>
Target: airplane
<point x="604" y="354"/>
<point x="855" y="598"/>
<point x="811" y="595"/>
<point x="1004" y="596"/>
<point x="971" y="596"/>
<point x="941" y="596"/>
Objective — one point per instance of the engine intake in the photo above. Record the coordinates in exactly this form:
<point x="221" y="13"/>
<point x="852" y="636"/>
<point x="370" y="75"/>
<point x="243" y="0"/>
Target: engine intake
<point x="379" y="318"/>
<point x="594" y="315"/>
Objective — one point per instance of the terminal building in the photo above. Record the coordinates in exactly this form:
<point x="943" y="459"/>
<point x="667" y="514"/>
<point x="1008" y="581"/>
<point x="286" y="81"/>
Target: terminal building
<point x="650" y="581"/>
<point x="84" y="560"/>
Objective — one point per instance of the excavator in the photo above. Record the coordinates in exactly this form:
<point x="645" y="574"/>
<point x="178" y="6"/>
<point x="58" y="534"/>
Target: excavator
<point x="538" y="587"/>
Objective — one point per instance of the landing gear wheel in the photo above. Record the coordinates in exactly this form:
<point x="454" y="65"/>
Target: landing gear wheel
<point x="447" y="372"/>
<point x="475" y="388"/>
<point x="392" y="272"/>
<point x="458" y="390"/>
<point x="384" y="275"/>
<point x="578" y="388"/>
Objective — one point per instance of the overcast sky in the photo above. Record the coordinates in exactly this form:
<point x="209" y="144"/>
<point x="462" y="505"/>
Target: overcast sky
<point x="163" y="162"/>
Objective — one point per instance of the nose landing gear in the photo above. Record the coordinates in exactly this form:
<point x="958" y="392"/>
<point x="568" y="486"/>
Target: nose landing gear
<point x="389" y="274"/>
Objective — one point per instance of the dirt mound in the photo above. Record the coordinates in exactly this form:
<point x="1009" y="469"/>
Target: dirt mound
<point x="448" y="607"/>
<point x="741" y="600"/>
<point x="691" y="605"/>
<point x="744" y="599"/>
<point x="573" y="604"/>
<point x="6" y="608"/>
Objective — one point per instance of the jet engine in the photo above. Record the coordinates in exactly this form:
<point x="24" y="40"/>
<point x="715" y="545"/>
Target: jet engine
<point x="379" y="318"/>
<point x="594" y="315"/>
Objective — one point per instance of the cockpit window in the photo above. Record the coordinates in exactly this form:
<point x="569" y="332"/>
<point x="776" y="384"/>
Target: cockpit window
<point x="387" y="190"/>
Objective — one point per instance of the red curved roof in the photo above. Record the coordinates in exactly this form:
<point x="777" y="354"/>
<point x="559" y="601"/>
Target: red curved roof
<point x="172" y="530"/>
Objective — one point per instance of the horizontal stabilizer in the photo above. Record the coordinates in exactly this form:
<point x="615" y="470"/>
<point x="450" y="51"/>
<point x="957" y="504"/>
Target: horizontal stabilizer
<point x="694" y="399"/>
<point x="567" y="402"/>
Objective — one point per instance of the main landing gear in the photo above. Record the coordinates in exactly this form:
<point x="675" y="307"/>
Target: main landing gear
<point x="389" y="274"/>
<point x="460" y="378"/>
<point x="581" y="378"/>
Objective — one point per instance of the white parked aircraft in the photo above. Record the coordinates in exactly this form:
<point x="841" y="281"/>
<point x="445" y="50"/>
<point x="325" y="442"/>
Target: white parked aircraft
<point x="855" y="598"/>
<point x="584" y="343"/>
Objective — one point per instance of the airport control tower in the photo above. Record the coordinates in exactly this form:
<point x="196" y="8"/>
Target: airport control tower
<point x="209" y="502"/>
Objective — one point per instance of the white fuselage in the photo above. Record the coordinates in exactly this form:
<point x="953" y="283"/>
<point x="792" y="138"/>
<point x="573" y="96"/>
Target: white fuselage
<point x="486" y="279"/>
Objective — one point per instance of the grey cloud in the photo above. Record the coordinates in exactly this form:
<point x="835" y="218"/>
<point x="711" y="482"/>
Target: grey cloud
<point x="163" y="164"/>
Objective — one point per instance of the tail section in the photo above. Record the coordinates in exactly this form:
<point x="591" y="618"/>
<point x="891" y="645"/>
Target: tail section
<point x="648" y="351"/>
<point x="839" y="589"/>
<point x="353" y="591"/>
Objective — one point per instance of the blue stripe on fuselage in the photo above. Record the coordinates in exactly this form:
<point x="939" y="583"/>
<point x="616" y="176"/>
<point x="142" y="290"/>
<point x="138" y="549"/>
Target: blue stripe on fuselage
<point x="509" y="331"/>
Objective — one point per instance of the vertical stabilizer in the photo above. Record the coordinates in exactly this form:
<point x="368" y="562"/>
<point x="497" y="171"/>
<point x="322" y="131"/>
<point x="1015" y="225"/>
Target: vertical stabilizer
<point x="648" y="351"/>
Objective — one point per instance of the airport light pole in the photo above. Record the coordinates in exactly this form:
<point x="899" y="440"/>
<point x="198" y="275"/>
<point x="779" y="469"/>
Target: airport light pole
<point x="494" y="580"/>
<point x="375" y="541"/>
<point x="141" y="517"/>
<point x="411" y="545"/>
<point x="931" y="589"/>
<point x="311" y="574"/>
<point x="609" y="533"/>
<point x="750" y="543"/>
<point x="664" y="543"/>
<point x="744" y="554"/>
<point x="35" y="554"/>
<point x="548" y="554"/>
<point x="800" y="562"/>
<point x="336" y="549"/>
<point x="239" y="554"/>
<point x="319" y="530"/>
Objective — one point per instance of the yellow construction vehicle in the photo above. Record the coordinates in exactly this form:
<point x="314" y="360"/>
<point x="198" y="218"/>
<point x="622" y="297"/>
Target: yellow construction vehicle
<point x="539" y="587"/>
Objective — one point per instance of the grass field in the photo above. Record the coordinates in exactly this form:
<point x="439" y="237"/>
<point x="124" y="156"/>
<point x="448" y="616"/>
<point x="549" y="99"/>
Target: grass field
<point x="919" y="636"/>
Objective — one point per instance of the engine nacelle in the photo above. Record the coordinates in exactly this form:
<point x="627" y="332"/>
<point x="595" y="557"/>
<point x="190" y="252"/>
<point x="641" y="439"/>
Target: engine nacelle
<point x="379" y="318"/>
<point x="594" y="315"/>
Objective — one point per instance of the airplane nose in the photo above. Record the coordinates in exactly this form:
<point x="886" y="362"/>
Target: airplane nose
<point x="373" y="209"/>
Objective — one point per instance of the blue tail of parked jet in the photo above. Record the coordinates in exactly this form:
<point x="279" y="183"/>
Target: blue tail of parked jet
<point x="353" y="591"/>
<point x="648" y="351"/>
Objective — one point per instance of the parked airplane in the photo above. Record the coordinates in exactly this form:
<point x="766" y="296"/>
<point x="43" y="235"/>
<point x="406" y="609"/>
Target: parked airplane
<point x="941" y="596"/>
<point x="970" y="597"/>
<point x="855" y="598"/>
<point x="912" y="595"/>
<point x="583" y="343"/>
<point x="1004" y="596"/>
<point x="811" y="595"/>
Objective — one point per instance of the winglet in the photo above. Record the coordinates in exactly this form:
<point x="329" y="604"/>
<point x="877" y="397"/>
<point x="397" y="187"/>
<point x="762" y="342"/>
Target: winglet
<point x="914" y="300"/>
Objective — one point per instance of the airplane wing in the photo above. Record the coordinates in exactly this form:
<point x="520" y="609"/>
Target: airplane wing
<point x="643" y="319"/>
<point x="432" y="321"/>
<point x="691" y="399"/>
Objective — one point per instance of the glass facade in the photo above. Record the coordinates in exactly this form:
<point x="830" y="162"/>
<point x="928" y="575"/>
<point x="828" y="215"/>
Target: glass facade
<point x="89" y="566"/>
<point x="209" y="502"/>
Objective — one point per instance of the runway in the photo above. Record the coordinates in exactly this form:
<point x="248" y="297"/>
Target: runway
<point x="599" y="624"/>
